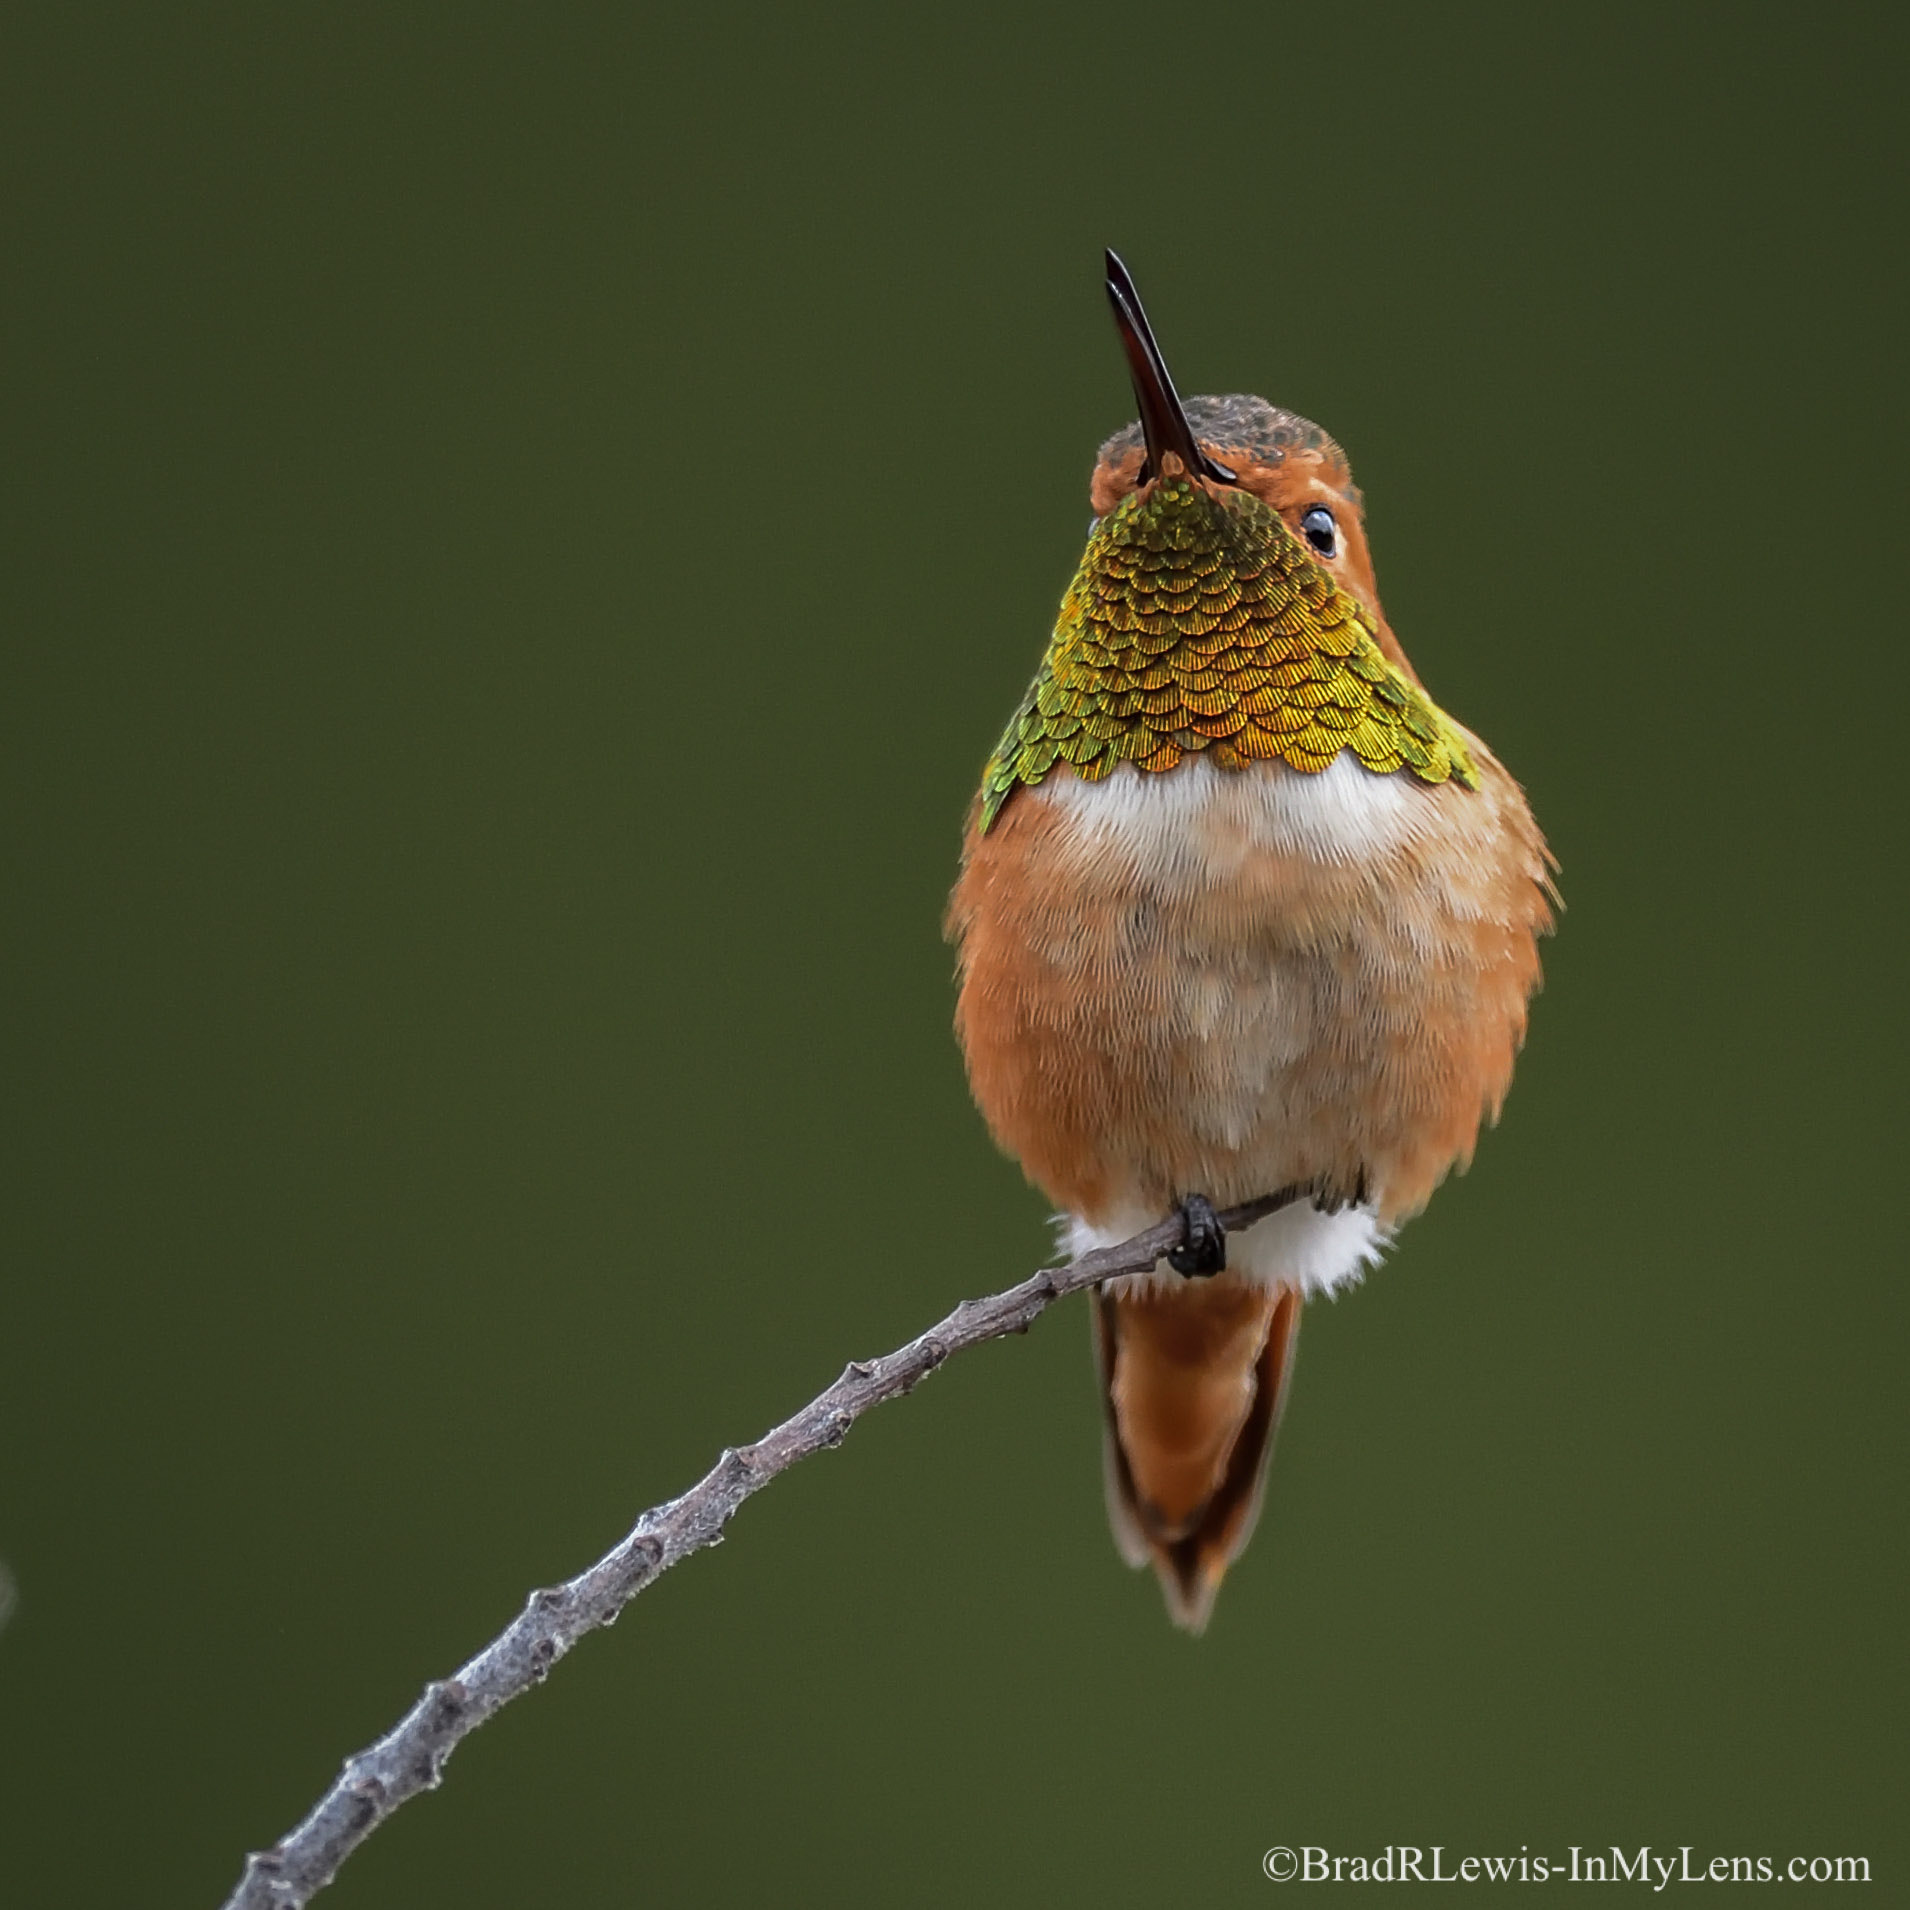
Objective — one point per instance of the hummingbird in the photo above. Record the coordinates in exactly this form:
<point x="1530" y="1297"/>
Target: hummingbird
<point x="1240" y="909"/>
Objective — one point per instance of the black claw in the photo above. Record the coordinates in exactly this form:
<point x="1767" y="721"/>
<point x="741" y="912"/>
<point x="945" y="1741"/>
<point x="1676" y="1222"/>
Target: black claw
<point x="1331" y="1198"/>
<point x="1204" y="1251"/>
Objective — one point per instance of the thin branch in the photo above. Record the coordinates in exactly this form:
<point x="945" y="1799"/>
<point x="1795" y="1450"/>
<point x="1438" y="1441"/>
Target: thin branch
<point x="410" y="1757"/>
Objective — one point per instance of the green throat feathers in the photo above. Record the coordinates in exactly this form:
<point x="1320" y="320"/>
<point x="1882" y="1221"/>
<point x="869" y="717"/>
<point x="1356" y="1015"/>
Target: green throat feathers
<point x="1197" y="622"/>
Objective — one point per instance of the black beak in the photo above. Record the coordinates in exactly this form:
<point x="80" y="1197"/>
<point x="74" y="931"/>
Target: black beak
<point x="1163" y="422"/>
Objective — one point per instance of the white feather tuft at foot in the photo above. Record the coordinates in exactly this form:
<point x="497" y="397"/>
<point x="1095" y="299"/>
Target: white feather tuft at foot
<point x="1299" y="1246"/>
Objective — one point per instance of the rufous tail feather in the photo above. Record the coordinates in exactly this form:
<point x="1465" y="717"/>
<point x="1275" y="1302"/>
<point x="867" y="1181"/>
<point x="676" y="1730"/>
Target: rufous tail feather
<point x="1193" y="1378"/>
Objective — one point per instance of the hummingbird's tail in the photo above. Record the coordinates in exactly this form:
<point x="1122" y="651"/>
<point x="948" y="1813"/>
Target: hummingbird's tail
<point x="1193" y="1378"/>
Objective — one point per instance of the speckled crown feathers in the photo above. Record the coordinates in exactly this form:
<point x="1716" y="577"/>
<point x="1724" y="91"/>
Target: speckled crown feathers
<point x="1197" y="622"/>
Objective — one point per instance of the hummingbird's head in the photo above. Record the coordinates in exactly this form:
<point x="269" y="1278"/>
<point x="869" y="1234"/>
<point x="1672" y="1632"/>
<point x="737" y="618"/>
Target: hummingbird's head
<point x="1224" y="607"/>
<point x="1234" y="442"/>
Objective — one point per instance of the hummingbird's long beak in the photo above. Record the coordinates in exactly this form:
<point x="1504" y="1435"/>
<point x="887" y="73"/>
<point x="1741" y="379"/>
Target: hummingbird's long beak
<point x="1163" y="422"/>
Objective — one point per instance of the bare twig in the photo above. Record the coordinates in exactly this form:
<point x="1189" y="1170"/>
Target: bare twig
<point x="410" y="1757"/>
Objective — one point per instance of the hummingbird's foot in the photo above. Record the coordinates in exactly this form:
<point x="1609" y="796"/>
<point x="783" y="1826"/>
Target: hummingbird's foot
<point x="1204" y="1250"/>
<point x="1330" y="1198"/>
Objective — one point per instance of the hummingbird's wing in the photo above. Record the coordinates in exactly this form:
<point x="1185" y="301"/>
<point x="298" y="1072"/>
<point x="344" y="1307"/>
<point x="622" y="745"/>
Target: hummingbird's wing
<point x="1193" y="1378"/>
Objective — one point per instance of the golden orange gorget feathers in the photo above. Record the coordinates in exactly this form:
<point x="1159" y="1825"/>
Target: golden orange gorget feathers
<point x="1197" y="621"/>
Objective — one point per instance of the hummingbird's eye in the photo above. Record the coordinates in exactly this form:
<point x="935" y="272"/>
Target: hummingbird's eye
<point x="1321" y="531"/>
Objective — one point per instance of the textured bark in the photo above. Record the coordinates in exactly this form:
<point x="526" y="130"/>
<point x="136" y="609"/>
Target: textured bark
<point x="411" y="1756"/>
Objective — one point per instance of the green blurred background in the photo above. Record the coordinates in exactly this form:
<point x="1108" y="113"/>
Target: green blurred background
<point x="520" y="529"/>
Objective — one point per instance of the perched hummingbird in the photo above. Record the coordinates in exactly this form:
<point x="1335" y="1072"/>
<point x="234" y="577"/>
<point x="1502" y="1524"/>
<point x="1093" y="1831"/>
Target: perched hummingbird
<point x="1241" y="909"/>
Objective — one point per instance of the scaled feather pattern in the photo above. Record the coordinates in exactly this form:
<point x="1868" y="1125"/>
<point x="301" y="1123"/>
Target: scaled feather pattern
<point x="1198" y="622"/>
